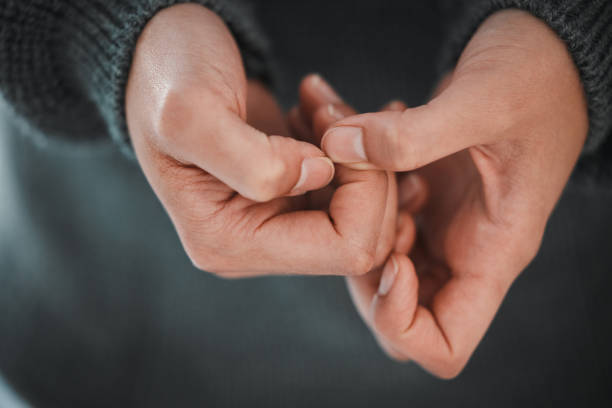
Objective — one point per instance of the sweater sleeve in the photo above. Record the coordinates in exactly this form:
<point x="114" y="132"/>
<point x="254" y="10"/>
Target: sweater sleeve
<point x="64" y="64"/>
<point x="586" y="28"/>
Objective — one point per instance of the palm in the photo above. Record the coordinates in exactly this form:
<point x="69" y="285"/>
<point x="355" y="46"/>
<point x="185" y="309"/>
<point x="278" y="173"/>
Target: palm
<point x="460" y="233"/>
<point x="494" y="148"/>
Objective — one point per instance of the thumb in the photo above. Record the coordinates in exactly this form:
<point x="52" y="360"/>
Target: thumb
<point x="458" y="118"/>
<point x="189" y="103"/>
<point x="257" y="166"/>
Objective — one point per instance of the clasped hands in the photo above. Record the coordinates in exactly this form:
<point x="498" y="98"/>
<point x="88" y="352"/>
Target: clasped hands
<point x="476" y="171"/>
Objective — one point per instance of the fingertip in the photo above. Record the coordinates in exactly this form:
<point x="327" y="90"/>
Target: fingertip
<point x="309" y="79"/>
<point x="396" y="298"/>
<point x="315" y="173"/>
<point x="319" y="89"/>
<point x="366" y="138"/>
<point x="310" y="98"/>
<point x="344" y="144"/>
<point x="305" y="88"/>
<point x="395" y="105"/>
<point x="325" y="116"/>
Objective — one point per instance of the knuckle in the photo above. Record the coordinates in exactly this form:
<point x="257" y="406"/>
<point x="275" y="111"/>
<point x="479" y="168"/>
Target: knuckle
<point x="451" y="368"/>
<point x="449" y="373"/>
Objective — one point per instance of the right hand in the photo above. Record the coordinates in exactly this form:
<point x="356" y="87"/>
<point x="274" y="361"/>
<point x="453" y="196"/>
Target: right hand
<point x="491" y="154"/>
<point x="235" y="194"/>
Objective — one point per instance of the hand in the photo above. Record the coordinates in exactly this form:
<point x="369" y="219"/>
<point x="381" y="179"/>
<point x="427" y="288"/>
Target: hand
<point x="234" y="194"/>
<point x="490" y="155"/>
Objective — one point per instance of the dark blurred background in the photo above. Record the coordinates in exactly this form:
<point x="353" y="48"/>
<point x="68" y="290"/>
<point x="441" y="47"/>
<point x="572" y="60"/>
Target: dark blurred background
<point x="85" y="321"/>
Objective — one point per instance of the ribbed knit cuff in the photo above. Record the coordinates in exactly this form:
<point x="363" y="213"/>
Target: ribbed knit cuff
<point x="584" y="25"/>
<point x="65" y="63"/>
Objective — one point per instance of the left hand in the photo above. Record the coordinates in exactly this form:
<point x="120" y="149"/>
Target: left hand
<point x="234" y="193"/>
<point x="492" y="153"/>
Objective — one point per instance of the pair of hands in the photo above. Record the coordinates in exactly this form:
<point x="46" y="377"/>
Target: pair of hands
<point x="479" y="169"/>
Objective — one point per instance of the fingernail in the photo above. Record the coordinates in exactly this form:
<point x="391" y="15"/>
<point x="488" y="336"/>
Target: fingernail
<point x="388" y="277"/>
<point x="325" y="89"/>
<point x="334" y="113"/>
<point x="316" y="172"/>
<point x="344" y="144"/>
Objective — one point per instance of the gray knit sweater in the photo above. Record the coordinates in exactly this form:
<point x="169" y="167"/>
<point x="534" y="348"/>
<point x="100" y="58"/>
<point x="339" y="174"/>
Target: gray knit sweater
<point x="65" y="63"/>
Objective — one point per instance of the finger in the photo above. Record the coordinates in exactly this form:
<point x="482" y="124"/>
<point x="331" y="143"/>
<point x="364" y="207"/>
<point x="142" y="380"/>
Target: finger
<point x="257" y="166"/>
<point x="413" y="192"/>
<point x="405" y="233"/>
<point x="440" y="337"/>
<point x="297" y="127"/>
<point x="456" y="119"/>
<point x="324" y="116"/>
<point x="388" y="232"/>
<point x="341" y="242"/>
<point x="320" y="106"/>
<point x="359" y="213"/>
<point x="362" y="290"/>
<point x="319" y="101"/>
<point x="395" y="106"/>
<point x="315" y="92"/>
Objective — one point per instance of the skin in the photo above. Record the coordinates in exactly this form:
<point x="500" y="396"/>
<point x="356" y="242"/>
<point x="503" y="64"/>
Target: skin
<point x="234" y="187"/>
<point x="487" y="159"/>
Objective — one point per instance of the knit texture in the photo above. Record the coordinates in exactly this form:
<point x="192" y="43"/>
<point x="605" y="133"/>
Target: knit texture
<point x="64" y="64"/>
<point x="585" y="26"/>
